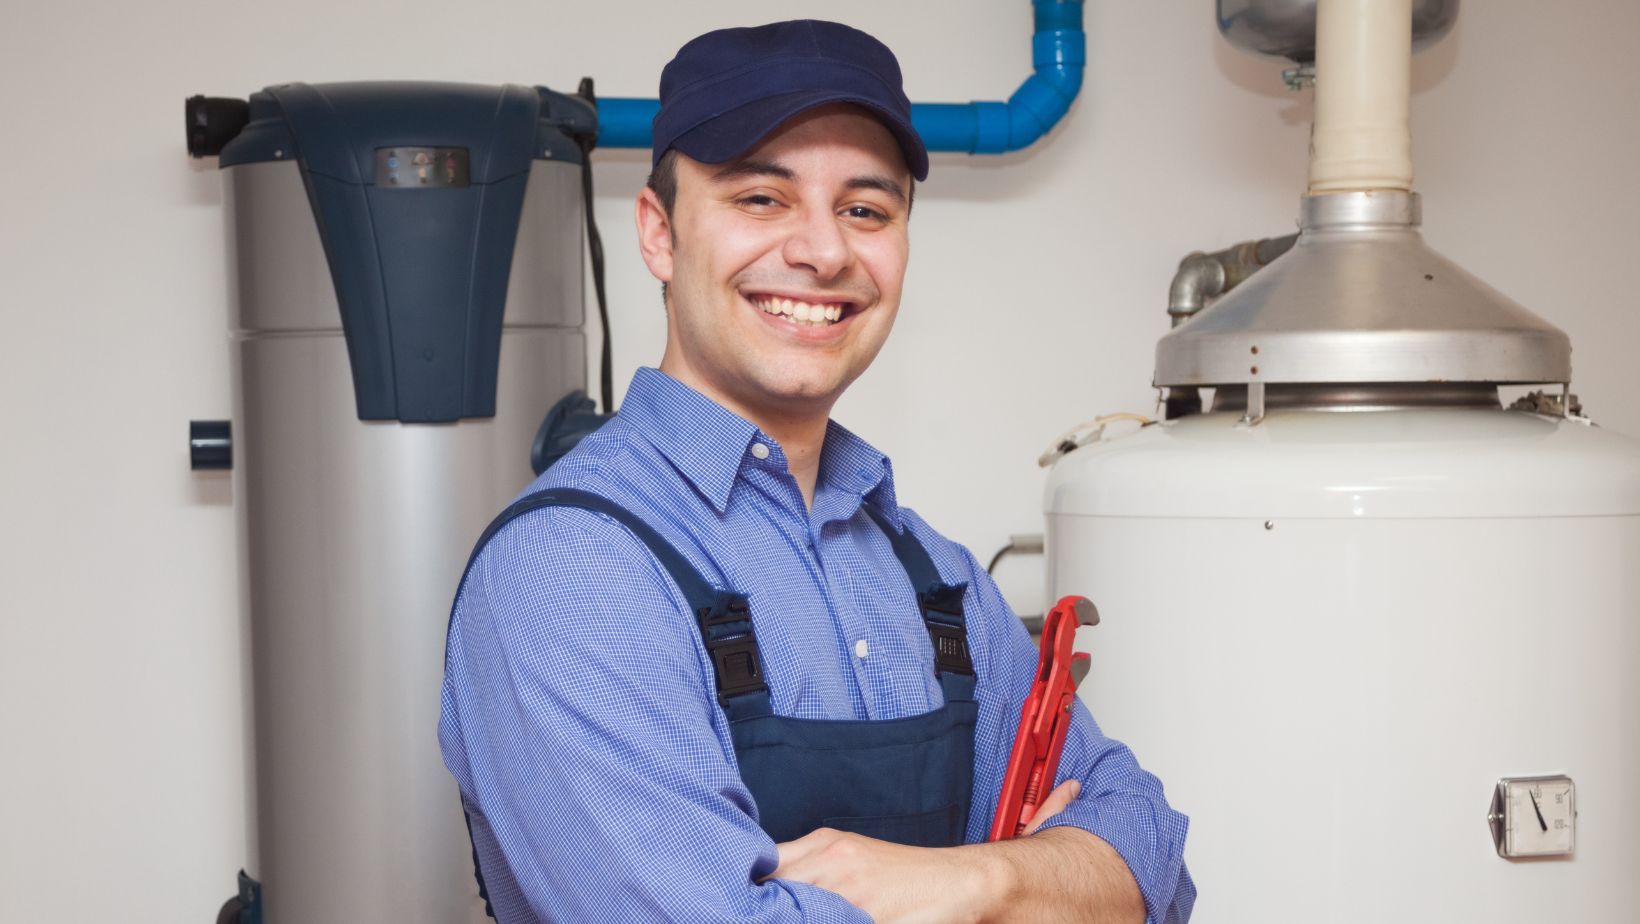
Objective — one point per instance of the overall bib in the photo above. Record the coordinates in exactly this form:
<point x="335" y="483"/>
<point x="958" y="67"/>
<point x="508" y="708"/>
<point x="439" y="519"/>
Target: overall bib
<point x="907" y="780"/>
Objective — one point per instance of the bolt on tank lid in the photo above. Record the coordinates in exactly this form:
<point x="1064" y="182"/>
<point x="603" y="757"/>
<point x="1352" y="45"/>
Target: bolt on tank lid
<point x="1361" y="298"/>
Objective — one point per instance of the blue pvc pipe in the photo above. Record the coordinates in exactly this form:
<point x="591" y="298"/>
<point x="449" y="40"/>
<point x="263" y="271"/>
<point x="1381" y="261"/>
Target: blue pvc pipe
<point x="1058" y="54"/>
<point x="625" y="123"/>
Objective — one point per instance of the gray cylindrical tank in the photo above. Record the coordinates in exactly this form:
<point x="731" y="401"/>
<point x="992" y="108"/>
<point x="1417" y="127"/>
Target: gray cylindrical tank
<point x="396" y="344"/>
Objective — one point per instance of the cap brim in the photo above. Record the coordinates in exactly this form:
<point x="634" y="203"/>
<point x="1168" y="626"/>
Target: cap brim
<point x="727" y="136"/>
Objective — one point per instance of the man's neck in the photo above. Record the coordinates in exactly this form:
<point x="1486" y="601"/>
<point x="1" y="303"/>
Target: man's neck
<point x="802" y="441"/>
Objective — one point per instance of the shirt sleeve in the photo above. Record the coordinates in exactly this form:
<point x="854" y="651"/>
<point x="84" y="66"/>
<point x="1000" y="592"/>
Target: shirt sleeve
<point x="577" y="721"/>
<point x="1120" y="802"/>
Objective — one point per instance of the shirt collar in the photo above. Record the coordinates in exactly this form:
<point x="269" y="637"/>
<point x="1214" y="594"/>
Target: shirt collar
<point x="705" y="441"/>
<point x="849" y="463"/>
<point x="708" y="443"/>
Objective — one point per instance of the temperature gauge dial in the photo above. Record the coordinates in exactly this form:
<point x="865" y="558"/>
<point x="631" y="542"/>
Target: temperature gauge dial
<point x="1534" y="816"/>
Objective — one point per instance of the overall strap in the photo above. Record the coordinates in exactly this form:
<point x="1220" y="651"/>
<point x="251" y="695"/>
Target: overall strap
<point x="941" y="606"/>
<point x="723" y="616"/>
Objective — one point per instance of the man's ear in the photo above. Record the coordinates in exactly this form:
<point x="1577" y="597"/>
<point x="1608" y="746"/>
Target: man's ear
<point x="654" y="234"/>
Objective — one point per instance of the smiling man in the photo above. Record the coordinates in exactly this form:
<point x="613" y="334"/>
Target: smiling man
<point x="707" y="668"/>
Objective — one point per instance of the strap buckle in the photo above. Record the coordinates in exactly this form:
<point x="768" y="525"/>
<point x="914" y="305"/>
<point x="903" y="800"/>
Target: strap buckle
<point x="736" y="663"/>
<point x="947" y="629"/>
<point x="726" y="629"/>
<point x="950" y="649"/>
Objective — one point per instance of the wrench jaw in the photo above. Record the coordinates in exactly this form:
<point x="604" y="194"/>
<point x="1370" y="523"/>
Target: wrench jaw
<point x="1081" y="664"/>
<point x="1086" y="613"/>
<point x="1058" y="667"/>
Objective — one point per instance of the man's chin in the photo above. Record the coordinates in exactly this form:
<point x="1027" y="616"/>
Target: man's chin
<point x="796" y="394"/>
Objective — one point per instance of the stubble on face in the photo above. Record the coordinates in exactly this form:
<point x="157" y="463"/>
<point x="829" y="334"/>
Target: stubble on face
<point x="785" y="266"/>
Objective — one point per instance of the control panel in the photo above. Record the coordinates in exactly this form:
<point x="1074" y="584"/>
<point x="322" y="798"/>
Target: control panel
<point x="421" y="168"/>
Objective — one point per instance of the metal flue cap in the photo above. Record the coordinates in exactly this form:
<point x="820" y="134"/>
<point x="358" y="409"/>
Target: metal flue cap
<point x="1361" y="298"/>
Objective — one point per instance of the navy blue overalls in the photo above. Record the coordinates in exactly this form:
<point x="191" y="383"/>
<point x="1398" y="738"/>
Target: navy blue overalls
<point x="907" y="780"/>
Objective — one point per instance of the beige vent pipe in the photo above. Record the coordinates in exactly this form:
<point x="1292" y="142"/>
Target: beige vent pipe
<point x="1363" y="79"/>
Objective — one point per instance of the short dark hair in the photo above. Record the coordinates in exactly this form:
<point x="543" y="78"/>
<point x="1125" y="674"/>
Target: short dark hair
<point x="664" y="180"/>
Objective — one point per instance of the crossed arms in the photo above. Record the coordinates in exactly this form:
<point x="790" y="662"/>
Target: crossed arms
<point x="603" y="786"/>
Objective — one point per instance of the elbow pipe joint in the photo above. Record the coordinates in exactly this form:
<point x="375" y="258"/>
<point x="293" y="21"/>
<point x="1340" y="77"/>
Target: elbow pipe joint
<point x="1058" y="56"/>
<point x="1200" y="277"/>
<point x="1203" y="277"/>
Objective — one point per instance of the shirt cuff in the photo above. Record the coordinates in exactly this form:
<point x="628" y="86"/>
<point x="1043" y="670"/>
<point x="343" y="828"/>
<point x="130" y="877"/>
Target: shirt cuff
<point x="821" y="906"/>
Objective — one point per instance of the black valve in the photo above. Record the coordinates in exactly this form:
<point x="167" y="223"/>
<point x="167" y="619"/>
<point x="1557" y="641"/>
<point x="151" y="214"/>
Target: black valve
<point x="213" y="121"/>
<point x="210" y="445"/>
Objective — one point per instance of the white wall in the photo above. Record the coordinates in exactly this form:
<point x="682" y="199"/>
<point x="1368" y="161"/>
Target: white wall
<point x="1036" y="293"/>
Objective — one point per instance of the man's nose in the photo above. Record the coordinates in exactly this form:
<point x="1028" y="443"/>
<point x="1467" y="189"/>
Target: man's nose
<point x="818" y="245"/>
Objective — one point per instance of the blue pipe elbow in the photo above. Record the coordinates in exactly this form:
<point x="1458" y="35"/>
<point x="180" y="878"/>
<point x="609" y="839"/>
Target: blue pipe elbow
<point x="1058" y="55"/>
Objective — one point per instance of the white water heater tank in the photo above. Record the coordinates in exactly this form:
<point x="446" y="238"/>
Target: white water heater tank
<point x="1333" y="633"/>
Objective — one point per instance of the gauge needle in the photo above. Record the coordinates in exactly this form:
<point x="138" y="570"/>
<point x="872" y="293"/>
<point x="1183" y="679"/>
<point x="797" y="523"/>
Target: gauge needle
<point x="1541" y="822"/>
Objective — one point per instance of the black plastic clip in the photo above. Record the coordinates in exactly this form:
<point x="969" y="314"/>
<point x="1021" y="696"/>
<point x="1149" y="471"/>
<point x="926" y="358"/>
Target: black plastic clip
<point x="947" y="629"/>
<point x="950" y="649"/>
<point x="737" y="665"/>
<point x="726" y="628"/>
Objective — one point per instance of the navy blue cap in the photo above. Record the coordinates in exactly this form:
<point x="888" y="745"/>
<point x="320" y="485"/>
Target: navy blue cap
<point x="726" y="90"/>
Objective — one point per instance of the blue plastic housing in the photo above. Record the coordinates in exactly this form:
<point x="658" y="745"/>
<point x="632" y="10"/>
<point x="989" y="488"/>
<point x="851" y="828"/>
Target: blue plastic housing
<point x="420" y="273"/>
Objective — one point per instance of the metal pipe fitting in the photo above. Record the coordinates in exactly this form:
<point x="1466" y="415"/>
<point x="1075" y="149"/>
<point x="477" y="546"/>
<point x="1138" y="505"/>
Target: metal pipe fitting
<point x="1200" y="277"/>
<point x="1203" y="277"/>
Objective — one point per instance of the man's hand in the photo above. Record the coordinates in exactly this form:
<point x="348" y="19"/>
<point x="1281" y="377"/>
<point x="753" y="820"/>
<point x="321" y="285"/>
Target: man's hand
<point x="894" y="883"/>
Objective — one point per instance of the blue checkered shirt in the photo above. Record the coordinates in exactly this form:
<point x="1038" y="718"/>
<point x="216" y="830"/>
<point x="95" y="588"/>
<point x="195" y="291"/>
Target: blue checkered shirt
<point x="579" y="717"/>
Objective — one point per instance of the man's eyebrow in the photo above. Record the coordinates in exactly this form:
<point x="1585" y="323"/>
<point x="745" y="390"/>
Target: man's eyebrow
<point x="745" y="168"/>
<point x="881" y="184"/>
<point x="753" y="168"/>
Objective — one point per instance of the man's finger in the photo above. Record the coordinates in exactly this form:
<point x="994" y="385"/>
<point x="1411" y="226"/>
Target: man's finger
<point x="1056" y="802"/>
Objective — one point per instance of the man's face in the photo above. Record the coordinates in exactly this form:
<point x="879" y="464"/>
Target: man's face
<point x="784" y="267"/>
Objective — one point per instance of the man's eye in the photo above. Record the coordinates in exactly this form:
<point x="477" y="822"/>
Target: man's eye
<point x="866" y="213"/>
<point x="757" y="201"/>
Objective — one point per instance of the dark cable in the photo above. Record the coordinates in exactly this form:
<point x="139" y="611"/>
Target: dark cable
<point x="595" y="249"/>
<point x="998" y="557"/>
<point x="1026" y="544"/>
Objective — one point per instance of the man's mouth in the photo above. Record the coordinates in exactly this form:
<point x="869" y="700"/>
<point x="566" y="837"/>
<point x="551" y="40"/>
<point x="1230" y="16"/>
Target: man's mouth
<point x="802" y="313"/>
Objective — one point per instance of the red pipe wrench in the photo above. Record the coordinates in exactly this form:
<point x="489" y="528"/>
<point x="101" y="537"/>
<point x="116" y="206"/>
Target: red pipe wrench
<point x="1045" y="718"/>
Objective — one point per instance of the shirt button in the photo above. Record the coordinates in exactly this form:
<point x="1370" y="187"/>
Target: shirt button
<point x="760" y="451"/>
<point x="861" y="649"/>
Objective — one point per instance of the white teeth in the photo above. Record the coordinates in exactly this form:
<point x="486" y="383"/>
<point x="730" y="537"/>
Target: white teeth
<point x="800" y="312"/>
